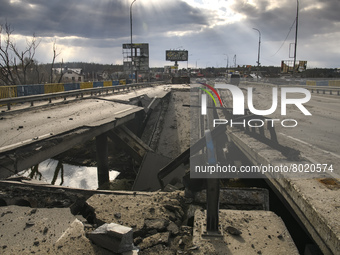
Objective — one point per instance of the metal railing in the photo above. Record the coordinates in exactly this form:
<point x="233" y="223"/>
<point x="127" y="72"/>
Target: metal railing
<point x="323" y="89"/>
<point x="72" y="93"/>
<point x="312" y="88"/>
<point x="318" y="89"/>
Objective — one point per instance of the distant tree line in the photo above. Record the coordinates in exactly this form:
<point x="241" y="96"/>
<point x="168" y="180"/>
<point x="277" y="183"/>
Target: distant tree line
<point x="19" y="66"/>
<point x="326" y="73"/>
<point x="273" y="72"/>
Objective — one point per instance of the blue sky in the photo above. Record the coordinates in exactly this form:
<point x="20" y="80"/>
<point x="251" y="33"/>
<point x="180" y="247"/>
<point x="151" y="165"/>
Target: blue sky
<point x="213" y="31"/>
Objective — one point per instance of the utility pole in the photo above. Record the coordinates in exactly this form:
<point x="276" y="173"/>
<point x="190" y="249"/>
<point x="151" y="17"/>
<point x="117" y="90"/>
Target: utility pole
<point x="258" y="54"/>
<point x="131" y="41"/>
<point x="227" y="62"/>
<point x="296" y="33"/>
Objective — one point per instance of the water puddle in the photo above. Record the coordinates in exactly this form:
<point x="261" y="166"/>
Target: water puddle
<point x="54" y="172"/>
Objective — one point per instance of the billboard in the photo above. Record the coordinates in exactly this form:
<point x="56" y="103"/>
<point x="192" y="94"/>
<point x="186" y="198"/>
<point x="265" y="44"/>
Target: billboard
<point x="176" y="55"/>
<point x="287" y="66"/>
<point x="139" y="61"/>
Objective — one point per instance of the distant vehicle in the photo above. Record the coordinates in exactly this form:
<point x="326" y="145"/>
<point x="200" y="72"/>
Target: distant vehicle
<point x="235" y="79"/>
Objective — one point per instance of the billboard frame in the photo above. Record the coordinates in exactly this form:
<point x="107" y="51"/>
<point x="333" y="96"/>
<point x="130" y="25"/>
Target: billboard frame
<point x="176" y="55"/>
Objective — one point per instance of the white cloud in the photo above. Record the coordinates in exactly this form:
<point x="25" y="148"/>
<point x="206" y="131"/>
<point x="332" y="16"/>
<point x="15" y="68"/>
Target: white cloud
<point x="95" y="31"/>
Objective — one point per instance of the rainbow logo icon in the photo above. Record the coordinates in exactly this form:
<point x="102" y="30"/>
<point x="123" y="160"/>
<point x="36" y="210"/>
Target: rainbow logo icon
<point x="204" y="98"/>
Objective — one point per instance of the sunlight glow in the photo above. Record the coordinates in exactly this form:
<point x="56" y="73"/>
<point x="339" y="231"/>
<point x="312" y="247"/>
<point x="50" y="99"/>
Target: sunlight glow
<point x="317" y="6"/>
<point x="222" y="11"/>
<point x="180" y="33"/>
<point x="216" y="12"/>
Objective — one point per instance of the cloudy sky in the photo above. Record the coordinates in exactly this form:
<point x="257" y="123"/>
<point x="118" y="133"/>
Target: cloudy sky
<point x="213" y="31"/>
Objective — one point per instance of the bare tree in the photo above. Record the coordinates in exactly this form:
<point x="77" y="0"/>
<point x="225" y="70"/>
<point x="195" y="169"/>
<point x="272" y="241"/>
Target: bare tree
<point x="6" y="75"/>
<point x="15" y="64"/>
<point x="56" y="53"/>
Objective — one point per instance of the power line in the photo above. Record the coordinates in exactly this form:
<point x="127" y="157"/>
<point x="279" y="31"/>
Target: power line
<point x="285" y="38"/>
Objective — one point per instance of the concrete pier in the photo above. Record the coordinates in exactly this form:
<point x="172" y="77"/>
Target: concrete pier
<point x="102" y="159"/>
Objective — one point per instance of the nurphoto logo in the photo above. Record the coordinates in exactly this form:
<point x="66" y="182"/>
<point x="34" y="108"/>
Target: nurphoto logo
<point x="238" y="104"/>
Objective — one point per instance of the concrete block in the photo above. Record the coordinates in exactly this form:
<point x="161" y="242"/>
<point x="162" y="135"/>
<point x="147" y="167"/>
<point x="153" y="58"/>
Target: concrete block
<point x="114" y="237"/>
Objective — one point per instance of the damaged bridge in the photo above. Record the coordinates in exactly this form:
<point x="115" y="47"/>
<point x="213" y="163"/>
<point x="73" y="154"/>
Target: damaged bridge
<point x="152" y="124"/>
<point x="34" y="134"/>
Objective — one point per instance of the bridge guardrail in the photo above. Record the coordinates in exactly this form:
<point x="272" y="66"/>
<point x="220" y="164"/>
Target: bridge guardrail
<point x="323" y="89"/>
<point x="312" y="88"/>
<point x="76" y="93"/>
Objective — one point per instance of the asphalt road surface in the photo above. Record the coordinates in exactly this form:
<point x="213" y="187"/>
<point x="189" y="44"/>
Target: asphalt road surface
<point x="24" y="127"/>
<point x="316" y="136"/>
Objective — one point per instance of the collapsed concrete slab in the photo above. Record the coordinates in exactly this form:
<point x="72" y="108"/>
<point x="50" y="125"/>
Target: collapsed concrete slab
<point x="244" y="232"/>
<point x="25" y="228"/>
<point x="114" y="237"/>
<point x="147" y="179"/>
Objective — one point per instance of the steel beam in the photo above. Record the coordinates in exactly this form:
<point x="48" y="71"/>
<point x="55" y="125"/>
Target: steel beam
<point x="130" y="142"/>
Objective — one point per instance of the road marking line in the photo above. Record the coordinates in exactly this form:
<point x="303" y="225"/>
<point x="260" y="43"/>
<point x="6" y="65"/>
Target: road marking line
<point x="23" y="142"/>
<point x="125" y="110"/>
<point x="334" y="154"/>
<point x="326" y="98"/>
<point x="332" y="174"/>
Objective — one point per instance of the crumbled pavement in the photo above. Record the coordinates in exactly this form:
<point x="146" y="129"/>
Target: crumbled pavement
<point x="156" y="218"/>
<point x="26" y="230"/>
<point x="244" y="232"/>
<point x="44" y="231"/>
<point x="160" y="222"/>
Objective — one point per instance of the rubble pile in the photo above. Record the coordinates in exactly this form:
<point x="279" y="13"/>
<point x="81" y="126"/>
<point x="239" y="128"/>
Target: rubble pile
<point x="145" y="223"/>
<point x="156" y="219"/>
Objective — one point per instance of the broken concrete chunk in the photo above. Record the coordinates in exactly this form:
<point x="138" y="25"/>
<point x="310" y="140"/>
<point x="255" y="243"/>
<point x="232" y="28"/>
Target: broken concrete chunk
<point x="233" y="231"/>
<point x="173" y="228"/>
<point x="159" y="238"/>
<point x="114" y="237"/>
<point x="158" y="224"/>
<point x="117" y="230"/>
<point x="75" y="230"/>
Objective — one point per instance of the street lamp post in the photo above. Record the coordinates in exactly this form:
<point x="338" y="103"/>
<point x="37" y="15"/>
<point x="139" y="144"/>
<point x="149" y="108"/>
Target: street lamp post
<point x="196" y="62"/>
<point x="296" y="33"/>
<point x="227" y="63"/>
<point x="258" y="54"/>
<point x="131" y="40"/>
<point x="188" y="62"/>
